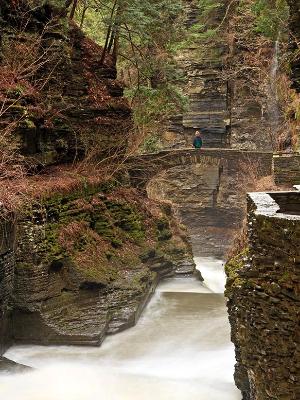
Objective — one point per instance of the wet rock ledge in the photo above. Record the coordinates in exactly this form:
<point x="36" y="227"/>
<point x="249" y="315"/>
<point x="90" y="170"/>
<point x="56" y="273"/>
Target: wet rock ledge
<point x="84" y="264"/>
<point x="263" y="290"/>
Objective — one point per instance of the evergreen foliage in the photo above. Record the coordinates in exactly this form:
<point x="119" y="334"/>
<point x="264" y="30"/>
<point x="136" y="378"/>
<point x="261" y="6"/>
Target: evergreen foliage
<point x="141" y="36"/>
<point x="271" y="17"/>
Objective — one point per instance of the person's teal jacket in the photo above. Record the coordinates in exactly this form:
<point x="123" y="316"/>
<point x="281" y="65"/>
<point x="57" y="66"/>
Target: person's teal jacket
<point x="197" y="143"/>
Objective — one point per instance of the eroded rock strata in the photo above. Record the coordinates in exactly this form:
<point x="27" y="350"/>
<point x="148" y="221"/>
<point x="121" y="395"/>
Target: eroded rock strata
<point x="263" y="290"/>
<point x="201" y="65"/>
<point x="6" y="282"/>
<point x="86" y="263"/>
<point x="294" y="39"/>
<point x="60" y="100"/>
<point x="79" y="262"/>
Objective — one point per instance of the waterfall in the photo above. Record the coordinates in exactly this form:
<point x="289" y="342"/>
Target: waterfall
<point x="275" y="63"/>
<point x="273" y="106"/>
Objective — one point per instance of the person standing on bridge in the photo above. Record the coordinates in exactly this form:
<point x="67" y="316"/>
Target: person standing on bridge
<point x="198" y="142"/>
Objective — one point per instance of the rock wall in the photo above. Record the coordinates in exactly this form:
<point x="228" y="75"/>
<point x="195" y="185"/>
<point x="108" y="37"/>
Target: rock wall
<point x="6" y="282"/>
<point x="87" y="257"/>
<point x="87" y="262"/>
<point x="263" y="289"/>
<point x="287" y="169"/>
<point x="295" y="35"/>
<point x="248" y="69"/>
<point x="201" y="63"/>
<point x="60" y="101"/>
<point x="226" y="68"/>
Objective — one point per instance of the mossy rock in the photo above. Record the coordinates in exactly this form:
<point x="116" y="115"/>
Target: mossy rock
<point x="164" y="235"/>
<point x="232" y="268"/>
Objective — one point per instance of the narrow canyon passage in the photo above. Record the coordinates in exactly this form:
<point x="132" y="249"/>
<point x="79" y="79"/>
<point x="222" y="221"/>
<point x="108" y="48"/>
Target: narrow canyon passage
<point x="180" y="349"/>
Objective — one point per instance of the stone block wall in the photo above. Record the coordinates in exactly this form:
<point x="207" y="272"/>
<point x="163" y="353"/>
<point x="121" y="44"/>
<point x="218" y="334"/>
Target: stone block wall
<point x="263" y="290"/>
<point x="6" y="281"/>
<point x="287" y="169"/>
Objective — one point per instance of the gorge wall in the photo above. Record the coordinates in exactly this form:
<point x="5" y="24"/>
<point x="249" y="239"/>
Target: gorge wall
<point x="226" y="66"/>
<point x="287" y="169"/>
<point x="263" y="289"/>
<point x="7" y="262"/>
<point x="59" y="101"/>
<point x="87" y="263"/>
<point x="263" y="285"/>
<point x="294" y="40"/>
<point x="82" y="252"/>
<point x="201" y="64"/>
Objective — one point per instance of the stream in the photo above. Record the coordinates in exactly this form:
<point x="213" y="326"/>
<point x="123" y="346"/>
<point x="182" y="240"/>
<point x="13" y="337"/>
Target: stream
<point x="180" y="349"/>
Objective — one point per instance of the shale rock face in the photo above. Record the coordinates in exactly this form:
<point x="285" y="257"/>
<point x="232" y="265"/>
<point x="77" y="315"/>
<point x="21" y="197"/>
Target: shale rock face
<point x="201" y="66"/>
<point x="60" y="101"/>
<point x="6" y="282"/>
<point x="87" y="263"/>
<point x="287" y="169"/>
<point x="295" y="30"/>
<point x="263" y="289"/>
<point x="85" y="260"/>
<point x="226" y="83"/>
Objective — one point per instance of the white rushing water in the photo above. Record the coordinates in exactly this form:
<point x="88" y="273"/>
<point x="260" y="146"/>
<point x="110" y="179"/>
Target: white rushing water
<point x="179" y="350"/>
<point x="273" y="104"/>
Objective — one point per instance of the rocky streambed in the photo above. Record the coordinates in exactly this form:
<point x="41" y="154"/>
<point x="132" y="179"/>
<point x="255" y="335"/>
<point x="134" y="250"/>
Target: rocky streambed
<point x="180" y="349"/>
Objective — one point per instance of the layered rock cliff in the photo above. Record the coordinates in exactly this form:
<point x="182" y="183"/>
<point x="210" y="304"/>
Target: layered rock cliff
<point x="86" y="263"/>
<point x="201" y="63"/>
<point x="82" y="263"/>
<point x="294" y="40"/>
<point x="226" y="64"/>
<point x="58" y="100"/>
<point x="83" y="252"/>
<point x="263" y="281"/>
<point x="6" y="282"/>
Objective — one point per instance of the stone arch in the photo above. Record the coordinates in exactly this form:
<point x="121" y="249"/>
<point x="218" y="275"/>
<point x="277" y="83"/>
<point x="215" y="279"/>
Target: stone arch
<point x="203" y="186"/>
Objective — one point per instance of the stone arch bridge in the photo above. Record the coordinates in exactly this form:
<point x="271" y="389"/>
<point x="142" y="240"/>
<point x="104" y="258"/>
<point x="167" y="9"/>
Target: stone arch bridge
<point x="146" y="166"/>
<point x="207" y="186"/>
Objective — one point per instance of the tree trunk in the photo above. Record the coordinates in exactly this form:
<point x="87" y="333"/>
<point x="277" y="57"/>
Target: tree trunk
<point x="85" y="7"/>
<point x="75" y="3"/>
<point x="109" y="32"/>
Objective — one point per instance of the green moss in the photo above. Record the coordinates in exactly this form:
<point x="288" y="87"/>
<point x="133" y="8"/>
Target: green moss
<point x="164" y="235"/>
<point x="23" y="265"/>
<point x="148" y="254"/>
<point x="163" y="230"/>
<point x="50" y="245"/>
<point x="127" y="219"/>
<point x="232" y="269"/>
<point x="98" y="272"/>
<point x="27" y="124"/>
<point x="116" y="243"/>
<point x="285" y="277"/>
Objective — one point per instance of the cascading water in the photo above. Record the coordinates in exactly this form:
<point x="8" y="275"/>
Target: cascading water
<point x="273" y="107"/>
<point x="179" y="350"/>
